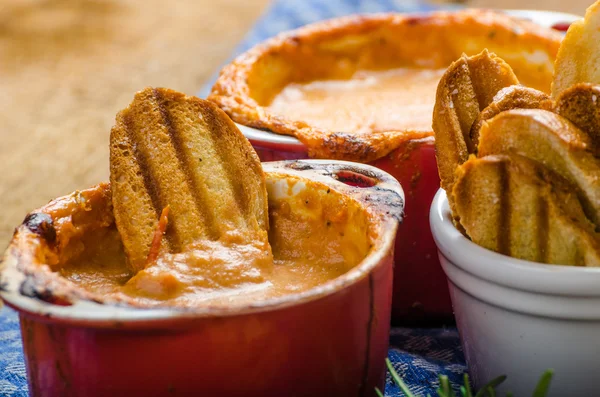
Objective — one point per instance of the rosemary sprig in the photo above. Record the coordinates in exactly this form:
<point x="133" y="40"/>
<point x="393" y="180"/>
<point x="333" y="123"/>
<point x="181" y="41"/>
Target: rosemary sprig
<point x="544" y="384"/>
<point x="489" y="390"/>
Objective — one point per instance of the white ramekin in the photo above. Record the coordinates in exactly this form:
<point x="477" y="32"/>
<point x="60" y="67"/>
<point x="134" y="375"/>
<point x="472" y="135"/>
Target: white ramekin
<point x="519" y="318"/>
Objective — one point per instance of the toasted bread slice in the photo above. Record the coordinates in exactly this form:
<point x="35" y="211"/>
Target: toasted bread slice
<point x="551" y="140"/>
<point x="577" y="60"/>
<point x="580" y="104"/>
<point x="168" y="149"/>
<point x="516" y="206"/>
<point x="467" y="87"/>
<point x="513" y="97"/>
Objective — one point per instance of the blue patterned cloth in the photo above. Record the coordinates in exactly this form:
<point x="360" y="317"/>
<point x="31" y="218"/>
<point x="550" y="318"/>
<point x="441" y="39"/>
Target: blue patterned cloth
<point x="12" y="366"/>
<point x="418" y="355"/>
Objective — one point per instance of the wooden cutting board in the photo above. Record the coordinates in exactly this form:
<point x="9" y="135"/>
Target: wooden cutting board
<point x="67" y="66"/>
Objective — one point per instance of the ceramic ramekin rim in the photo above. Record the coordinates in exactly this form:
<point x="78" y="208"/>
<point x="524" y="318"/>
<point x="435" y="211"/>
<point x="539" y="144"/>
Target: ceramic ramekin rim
<point x="89" y="313"/>
<point x="289" y="143"/>
<point x="504" y="270"/>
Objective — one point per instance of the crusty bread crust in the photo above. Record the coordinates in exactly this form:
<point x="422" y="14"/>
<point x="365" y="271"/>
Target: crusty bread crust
<point x="337" y="48"/>
<point x="168" y="149"/>
<point x="580" y="104"/>
<point x="531" y="186"/>
<point x="518" y="207"/>
<point x="577" y="60"/>
<point x="551" y="140"/>
<point x="467" y="87"/>
<point x="513" y="97"/>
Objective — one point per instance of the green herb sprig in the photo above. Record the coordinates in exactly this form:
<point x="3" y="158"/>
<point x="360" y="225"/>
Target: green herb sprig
<point x="489" y="390"/>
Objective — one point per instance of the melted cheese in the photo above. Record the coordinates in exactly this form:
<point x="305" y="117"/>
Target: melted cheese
<point x="398" y="99"/>
<point x="315" y="243"/>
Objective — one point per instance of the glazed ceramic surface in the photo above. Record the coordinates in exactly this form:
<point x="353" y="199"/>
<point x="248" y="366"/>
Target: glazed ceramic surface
<point x="520" y="318"/>
<point x="327" y="341"/>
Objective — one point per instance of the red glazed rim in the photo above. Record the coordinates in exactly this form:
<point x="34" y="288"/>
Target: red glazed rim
<point x="328" y="172"/>
<point x="286" y="143"/>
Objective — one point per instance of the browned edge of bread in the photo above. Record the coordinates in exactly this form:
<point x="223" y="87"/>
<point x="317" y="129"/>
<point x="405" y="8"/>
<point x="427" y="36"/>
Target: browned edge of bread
<point x="169" y="149"/>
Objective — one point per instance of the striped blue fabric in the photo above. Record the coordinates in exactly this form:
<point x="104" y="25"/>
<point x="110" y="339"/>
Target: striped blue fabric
<point x="12" y="366"/>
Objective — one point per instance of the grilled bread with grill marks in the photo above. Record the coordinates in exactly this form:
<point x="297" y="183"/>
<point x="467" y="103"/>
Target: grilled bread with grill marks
<point x="551" y="140"/>
<point x="518" y="207"/>
<point x="168" y="149"/>
<point x="513" y="97"/>
<point x="466" y="88"/>
<point x="531" y="188"/>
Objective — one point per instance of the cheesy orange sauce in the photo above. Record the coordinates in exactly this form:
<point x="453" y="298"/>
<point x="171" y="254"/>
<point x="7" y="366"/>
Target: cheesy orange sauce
<point x="397" y="99"/>
<point x="308" y="247"/>
<point x="212" y="273"/>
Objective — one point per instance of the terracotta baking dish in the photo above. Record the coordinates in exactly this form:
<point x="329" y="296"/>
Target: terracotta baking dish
<point x="330" y="340"/>
<point x="337" y="51"/>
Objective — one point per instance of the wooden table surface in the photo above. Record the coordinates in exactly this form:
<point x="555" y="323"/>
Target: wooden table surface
<point x="67" y="66"/>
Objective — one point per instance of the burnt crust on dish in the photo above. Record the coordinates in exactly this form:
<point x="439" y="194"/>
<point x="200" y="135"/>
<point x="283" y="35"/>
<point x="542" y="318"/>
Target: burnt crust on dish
<point x="39" y="252"/>
<point x="41" y="224"/>
<point x="337" y="48"/>
<point x="358" y="179"/>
